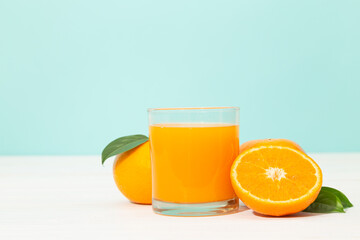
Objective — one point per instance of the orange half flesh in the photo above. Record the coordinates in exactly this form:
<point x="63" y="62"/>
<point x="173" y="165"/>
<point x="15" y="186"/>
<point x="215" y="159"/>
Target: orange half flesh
<point x="276" y="180"/>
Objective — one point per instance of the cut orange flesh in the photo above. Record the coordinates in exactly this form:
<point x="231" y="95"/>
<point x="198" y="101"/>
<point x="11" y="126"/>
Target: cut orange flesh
<point x="276" y="179"/>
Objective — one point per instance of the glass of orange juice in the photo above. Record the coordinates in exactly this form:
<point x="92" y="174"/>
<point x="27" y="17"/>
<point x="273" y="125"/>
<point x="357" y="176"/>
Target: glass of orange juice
<point x="192" y="150"/>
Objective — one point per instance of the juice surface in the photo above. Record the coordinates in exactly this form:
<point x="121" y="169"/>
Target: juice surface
<point x="191" y="162"/>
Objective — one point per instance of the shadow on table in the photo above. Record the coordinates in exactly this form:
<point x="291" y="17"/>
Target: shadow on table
<point x="296" y="215"/>
<point x="127" y="204"/>
<point x="131" y="205"/>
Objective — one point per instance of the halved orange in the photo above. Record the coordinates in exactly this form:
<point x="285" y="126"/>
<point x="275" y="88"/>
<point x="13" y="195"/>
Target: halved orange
<point x="275" y="177"/>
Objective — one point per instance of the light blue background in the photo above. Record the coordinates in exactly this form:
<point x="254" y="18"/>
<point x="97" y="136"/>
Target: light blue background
<point x="75" y="75"/>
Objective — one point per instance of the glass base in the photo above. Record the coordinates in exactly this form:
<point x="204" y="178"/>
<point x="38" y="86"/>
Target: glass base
<point x="196" y="209"/>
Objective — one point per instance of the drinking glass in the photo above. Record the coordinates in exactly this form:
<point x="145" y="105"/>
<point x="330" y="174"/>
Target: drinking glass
<point x="192" y="150"/>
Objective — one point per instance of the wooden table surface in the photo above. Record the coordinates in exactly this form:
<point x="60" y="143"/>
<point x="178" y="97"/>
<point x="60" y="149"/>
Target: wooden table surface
<point x="65" y="197"/>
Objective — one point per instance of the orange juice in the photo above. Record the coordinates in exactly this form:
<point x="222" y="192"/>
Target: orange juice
<point x="191" y="161"/>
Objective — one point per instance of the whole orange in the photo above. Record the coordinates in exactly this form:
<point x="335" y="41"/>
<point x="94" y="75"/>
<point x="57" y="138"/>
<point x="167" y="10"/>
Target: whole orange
<point x="270" y="141"/>
<point x="132" y="174"/>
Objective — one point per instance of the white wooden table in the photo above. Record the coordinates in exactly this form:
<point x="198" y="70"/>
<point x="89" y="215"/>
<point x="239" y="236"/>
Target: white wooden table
<point x="76" y="198"/>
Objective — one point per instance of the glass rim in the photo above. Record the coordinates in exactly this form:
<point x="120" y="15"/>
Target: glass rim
<point x="192" y="108"/>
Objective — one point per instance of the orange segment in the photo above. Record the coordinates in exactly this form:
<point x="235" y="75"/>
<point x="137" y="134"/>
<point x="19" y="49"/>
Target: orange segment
<point x="275" y="179"/>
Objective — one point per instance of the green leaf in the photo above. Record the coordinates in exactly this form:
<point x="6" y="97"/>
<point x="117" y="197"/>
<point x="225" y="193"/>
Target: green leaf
<point x="121" y="145"/>
<point x="329" y="200"/>
<point x="344" y="200"/>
